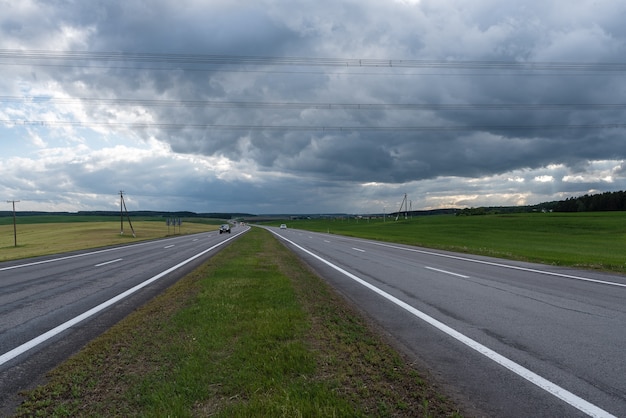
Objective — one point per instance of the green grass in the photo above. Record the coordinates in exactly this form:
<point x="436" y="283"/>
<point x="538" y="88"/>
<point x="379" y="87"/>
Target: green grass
<point x="42" y="235"/>
<point x="254" y="333"/>
<point x="595" y="240"/>
<point x="250" y="333"/>
<point x="69" y="218"/>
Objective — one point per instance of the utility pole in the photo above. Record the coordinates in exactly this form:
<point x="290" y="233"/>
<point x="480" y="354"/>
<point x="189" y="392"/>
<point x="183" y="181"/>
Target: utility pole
<point x="406" y="208"/>
<point x="122" y="209"/>
<point x="14" y="223"/>
<point x="121" y="212"/>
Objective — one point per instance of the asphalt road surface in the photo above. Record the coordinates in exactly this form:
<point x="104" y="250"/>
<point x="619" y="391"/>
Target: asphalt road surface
<point x="51" y="306"/>
<point x="507" y="339"/>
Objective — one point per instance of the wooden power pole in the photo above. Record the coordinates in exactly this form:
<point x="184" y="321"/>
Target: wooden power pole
<point x="406" y="208"/>
<point x="122" y="210"/>
<point x="14" y="223"/>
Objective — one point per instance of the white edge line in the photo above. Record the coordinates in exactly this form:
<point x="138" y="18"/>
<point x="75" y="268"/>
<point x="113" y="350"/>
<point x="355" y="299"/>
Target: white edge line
<point x="10" y="355"/>
<point x="106" y="250"/>
<point x="508" y="266"/>
<point x="552" y="388"/>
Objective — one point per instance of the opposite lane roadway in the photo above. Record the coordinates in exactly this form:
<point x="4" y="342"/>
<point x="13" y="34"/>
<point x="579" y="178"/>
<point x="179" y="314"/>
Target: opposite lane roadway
<point x="50" y="306"/>
<point x="507" y="338"/>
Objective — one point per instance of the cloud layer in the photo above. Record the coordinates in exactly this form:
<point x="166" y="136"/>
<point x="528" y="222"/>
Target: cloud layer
<point x="310" y="107"/>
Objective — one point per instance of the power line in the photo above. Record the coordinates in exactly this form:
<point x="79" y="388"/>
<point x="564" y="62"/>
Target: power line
<point x="472" y="73"/>
<point x="307" y="105"/>
<point x="179" y="126"/>
<point x="35" y="56"/>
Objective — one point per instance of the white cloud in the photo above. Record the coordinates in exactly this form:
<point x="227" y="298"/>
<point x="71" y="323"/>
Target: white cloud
<point x="544" y="179"/>
<point x="92" y="145"/>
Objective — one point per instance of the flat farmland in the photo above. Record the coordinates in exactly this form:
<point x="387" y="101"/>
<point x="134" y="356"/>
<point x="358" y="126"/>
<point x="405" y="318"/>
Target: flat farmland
<point x="90" y="386"/>
<point x="591" y="240"/>
<point x="56" y="234"/>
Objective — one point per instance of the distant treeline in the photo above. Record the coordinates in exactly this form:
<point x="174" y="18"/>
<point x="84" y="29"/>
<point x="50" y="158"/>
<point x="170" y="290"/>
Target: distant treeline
<point x="141" y="213"/>
<point x="164" y="214"/>
<point x="609" y="201"/>
<point x="603" y="202"/>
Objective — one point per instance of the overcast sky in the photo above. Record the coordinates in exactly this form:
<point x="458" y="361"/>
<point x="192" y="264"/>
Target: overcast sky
<point x="300" y="106"/>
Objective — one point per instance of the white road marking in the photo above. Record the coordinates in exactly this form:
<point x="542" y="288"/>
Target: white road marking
<point x="109" y="262"/>
<point x="447" y="272"/>
<point x="64" y="258"/>
<point x="10" y="355"/>
<point x="327" y="241"/>
<point x="358" y="249"/>
<point x="552" y="388"/>
<point x="168" y="246"/>
<point x="491" y="263"/>
<point x="53" y="260"/>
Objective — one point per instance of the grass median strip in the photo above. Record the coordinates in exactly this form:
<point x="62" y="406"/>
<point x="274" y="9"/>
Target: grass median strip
<point x="250" y="333"/>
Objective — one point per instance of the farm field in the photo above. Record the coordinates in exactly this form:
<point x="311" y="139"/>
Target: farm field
<point x="592" y="240"/>
<point x="43" y="235"/>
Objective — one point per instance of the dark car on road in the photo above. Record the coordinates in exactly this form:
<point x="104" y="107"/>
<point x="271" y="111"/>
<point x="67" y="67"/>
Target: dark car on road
<point x="225" y="228"/>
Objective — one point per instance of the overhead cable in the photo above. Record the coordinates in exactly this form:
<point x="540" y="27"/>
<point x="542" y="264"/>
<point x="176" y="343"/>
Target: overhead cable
<point x="305" y="105"/>
<point x="35" y="56"/>
<point x="180" y="126"/>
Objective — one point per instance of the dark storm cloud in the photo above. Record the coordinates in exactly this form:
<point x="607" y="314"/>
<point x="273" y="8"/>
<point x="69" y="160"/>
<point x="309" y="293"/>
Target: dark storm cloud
<point x="238" y="29"/>
<point x="505" y="120"/>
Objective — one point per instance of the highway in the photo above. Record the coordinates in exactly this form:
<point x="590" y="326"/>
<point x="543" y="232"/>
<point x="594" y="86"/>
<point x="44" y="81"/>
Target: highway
<point x="51" y="306"/>
<point x="505" y="339"/>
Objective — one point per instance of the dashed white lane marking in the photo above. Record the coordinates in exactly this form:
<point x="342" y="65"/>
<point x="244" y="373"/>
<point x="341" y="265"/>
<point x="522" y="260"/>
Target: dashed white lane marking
<point x="507" y="266"/>
<point x="552" y="388"/>
<point x="109" y="262"/>
<point x="10" y="355"/>
<point x="447" y="272"/>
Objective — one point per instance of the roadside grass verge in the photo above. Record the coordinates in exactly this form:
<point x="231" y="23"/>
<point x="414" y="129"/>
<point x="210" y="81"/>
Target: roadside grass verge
<point x="593" y="240"/>
<point x="47" y="237"/>
<point x="252" y="332"/>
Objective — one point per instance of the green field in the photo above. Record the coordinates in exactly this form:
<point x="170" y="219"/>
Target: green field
<point x="594" y="240"/>
<point x="43" y="235"/>
<point x="253" y="333"/>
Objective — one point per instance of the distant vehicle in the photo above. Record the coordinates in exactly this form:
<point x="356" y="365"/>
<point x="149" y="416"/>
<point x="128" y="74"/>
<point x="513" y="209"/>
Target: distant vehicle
<point x="225" y="228"/>
<point x="283" y="226"/>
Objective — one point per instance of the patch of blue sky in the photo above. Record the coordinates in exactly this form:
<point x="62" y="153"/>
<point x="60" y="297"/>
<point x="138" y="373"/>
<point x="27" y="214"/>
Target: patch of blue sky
<point x="18" y="140"/>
